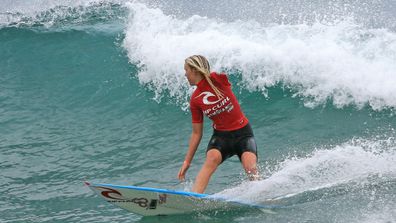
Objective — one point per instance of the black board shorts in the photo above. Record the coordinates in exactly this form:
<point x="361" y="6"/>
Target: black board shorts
<point x="235" y="142"/>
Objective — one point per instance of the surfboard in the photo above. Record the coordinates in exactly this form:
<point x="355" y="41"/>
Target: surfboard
<point x="147" y="201"/>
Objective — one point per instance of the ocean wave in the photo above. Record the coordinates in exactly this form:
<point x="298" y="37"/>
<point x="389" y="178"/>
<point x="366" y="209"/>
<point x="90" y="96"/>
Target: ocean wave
<point x="341" y="61"/>
<point x="345" y="63"/>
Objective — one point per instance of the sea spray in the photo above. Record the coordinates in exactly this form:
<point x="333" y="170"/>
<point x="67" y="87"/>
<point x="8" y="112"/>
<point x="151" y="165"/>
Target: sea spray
<point x="352" y="163"/>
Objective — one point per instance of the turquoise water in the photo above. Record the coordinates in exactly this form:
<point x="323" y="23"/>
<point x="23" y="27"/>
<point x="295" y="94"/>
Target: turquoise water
<point x="96" y="92"/>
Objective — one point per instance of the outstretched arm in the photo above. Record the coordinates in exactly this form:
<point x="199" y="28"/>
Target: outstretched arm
<point x="195" y="139"/>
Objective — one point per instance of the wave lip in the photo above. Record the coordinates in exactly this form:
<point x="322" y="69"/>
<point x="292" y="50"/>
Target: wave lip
<point x="53" y="14"/>
<point x="345" y="62"/>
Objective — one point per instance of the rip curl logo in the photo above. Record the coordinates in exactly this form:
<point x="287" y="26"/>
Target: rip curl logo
<point x="216" y="107"/>
<point x="205" y="99"/>
<point x="110" y="193"/>
<point x="116" y="197"/>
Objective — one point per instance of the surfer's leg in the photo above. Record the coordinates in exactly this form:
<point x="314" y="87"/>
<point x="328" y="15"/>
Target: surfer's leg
<point x="213" y="160"/>
<point x="249" y="163"/>
<point x="247" y="153"/>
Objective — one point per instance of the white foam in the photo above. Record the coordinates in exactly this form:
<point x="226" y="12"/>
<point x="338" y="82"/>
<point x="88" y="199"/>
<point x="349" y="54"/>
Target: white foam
<point x="384" y="215"/>
<point x="351" y="163"/>
<point x="347" y="63"/>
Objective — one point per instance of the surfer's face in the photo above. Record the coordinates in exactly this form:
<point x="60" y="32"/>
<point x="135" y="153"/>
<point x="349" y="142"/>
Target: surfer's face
<point x="191" y="75"/>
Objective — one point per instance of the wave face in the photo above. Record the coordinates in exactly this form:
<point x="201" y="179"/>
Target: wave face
<point x="95" y="90"/>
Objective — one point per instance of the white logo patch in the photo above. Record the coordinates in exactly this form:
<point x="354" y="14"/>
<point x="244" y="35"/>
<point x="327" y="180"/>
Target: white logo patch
<point x="205" y="99"/>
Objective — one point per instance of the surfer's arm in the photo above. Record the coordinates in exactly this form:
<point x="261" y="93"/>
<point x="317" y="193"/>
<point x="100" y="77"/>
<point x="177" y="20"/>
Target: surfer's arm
<point x="196" y="135"/>
<point x="195" y="139"/>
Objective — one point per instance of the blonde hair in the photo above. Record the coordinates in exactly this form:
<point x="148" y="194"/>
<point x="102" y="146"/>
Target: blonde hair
<point x="201" y="64"/>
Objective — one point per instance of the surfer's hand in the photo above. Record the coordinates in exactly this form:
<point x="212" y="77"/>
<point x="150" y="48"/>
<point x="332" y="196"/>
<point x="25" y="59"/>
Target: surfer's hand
<point x="183" y="170"/>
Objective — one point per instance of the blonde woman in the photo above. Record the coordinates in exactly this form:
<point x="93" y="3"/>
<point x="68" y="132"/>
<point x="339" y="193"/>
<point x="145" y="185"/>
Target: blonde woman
<point x="232" y="133"/>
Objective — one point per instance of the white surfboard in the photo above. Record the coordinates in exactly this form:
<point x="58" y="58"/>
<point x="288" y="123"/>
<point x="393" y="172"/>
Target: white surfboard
<point x="152" y="201"/>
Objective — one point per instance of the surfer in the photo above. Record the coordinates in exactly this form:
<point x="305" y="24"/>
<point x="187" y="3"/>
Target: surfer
<point x="232" y="133"/>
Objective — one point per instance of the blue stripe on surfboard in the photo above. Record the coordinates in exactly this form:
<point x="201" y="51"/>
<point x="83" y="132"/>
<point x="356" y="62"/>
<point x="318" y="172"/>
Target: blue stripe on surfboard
<point x="191" y="194"/>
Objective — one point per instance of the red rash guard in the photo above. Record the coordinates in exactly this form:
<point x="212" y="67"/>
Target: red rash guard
<point x="225" y="113"/>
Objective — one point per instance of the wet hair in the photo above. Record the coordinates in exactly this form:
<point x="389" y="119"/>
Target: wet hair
<point x="201" y="64"/>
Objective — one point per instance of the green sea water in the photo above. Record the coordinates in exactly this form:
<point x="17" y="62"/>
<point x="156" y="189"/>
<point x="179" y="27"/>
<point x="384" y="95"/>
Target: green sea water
<point x="97" y="93"/>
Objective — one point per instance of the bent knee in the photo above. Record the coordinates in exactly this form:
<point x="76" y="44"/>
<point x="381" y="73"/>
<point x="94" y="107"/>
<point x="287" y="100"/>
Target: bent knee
<point x="213" y="157"/>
